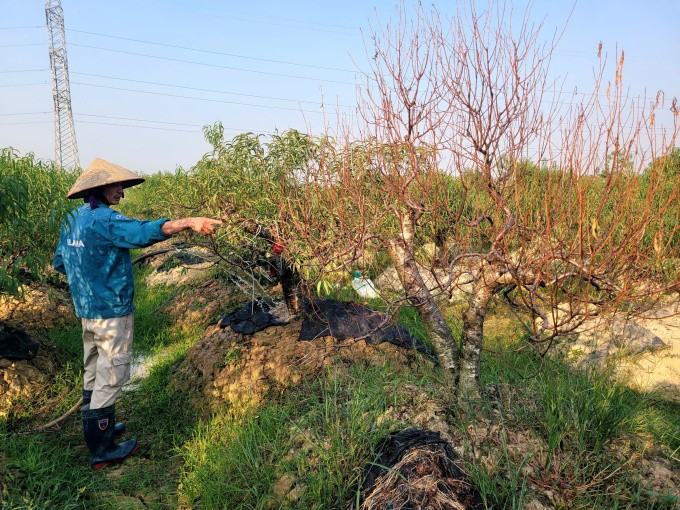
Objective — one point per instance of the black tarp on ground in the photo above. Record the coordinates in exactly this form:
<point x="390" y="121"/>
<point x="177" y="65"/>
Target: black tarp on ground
<point x="427" y="457"/>
<point x="180" y="259"/>
<point x="327" y="317"/>
<point x="250" y="318"/>
<point x="16" y="344"/>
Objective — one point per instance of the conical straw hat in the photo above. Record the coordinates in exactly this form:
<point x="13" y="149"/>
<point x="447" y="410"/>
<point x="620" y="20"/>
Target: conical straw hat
<point x="101" y="173"/>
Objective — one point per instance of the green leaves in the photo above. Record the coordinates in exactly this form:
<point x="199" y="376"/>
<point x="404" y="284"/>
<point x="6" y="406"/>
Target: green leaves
<point x="32" y="206"/>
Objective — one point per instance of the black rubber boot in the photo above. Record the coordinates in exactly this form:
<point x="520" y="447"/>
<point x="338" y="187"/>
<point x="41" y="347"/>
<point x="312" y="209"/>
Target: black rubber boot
<point x="98" y="425"/>
<point x="87" y="397"/>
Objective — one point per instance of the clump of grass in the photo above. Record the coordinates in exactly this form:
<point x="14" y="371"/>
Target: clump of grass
<point x="51" y="470"/>
<point x="321" y="434"/>
<point x="588" y="430"/>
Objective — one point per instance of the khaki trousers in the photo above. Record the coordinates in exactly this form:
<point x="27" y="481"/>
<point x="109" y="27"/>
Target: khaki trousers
<point x="108" y="355"/>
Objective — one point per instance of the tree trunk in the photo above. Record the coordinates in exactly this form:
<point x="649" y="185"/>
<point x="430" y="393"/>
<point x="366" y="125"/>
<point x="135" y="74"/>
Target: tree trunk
<point x="441" y="248"/>
<point x="438" y="331"/>
<point x="290" y="284"/>
<point x="290" y="278"/>
<point x="473" y="333"/>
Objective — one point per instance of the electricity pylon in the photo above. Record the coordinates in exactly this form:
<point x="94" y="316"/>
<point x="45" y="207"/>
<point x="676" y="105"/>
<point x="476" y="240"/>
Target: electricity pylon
<point x="65" y="146"/>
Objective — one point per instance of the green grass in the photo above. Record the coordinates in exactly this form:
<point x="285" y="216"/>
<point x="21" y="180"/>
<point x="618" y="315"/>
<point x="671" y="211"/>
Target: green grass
<point x="322" y="433"/>
<point x="589" y="430"/>
<point x="586" y="429"/>
<point x="51" y="470"/>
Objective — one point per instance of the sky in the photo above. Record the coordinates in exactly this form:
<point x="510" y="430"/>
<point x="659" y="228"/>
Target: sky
<point x="146" y="75"/>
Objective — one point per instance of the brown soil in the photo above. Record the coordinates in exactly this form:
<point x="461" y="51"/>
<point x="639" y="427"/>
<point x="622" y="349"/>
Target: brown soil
<point x="244" y="369"/>
<point x="27" y="378"/>
<point x="42" y="308"/>
<point x="201" y="302"/>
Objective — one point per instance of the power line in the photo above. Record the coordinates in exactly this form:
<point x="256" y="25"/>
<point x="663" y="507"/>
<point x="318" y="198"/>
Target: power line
<point x="166" y="122"/>
<point x="23" y="84"/>
<point x="168" y="129"/>
<point x="30" y="122"/>
<point x="289" y="19"/>
<point x="211" y="65"/>
<point x="212" y="15"/>
<point x="21" y="45"/>
<point x="127" y="118"/>
<point x="27" y="113"/>
<point x="133" y="126"/>
<point x="100" y="123"/>
<point x="24" y="71"/>
<point x="568" y="53"/>
<point x="138" y="120"/>
<point x="198" y="98"/>
<point x="213" y="52"/>
<point x="591" y="54"/>
<point x="560" y="93"/>
<point x="241" y="130"/>
<point x="218" y="100"/>
<point x="139" y="127"/>
<point x="205" y="90"/>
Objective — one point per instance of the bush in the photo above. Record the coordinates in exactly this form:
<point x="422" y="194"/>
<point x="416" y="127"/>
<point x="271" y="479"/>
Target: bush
<point x="32" y="205"/>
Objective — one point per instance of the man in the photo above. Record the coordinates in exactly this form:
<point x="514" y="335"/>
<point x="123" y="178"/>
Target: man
<point x="94" y="254"/>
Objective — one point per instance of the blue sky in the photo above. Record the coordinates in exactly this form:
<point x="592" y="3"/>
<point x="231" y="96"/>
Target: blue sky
<point x="263" y="66"/>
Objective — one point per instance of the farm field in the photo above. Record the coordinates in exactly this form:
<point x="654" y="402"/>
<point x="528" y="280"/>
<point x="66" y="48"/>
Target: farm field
<point x="301" y="435"/>
<point x="463" y="295"/>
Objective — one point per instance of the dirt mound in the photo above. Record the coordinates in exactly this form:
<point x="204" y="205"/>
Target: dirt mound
<point x="43" y="307"/>
<point x="243" y="369"/>
<point x="28" y="378"/>
<point x="199" y="303"/>
<point x="645" y="352"/>
<point x="178" y="267"/>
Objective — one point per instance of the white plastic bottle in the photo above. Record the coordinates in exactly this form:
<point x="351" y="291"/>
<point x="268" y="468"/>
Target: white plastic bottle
<point x="364" y="286"/>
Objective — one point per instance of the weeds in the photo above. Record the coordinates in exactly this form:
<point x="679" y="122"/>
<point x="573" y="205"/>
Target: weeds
<point x="570" y="438"/>
<point x="320" y="435"/>
<point x="567" y="438"/>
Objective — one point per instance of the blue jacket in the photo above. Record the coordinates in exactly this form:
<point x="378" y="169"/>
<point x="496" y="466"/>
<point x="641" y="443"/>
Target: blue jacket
<point x="94" y="254"/>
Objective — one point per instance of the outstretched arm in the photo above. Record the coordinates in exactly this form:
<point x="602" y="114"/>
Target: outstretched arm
<point x="203" y="226"/>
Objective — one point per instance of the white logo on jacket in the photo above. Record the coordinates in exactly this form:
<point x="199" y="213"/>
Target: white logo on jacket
<point x="75" y="242"/>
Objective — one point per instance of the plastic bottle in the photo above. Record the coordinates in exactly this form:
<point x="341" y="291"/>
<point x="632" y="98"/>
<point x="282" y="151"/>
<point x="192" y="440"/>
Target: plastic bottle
<point x="363" y="286"/>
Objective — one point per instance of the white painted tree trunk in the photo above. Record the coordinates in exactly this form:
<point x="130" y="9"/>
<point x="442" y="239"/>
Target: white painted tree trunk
<point x="473" y="332"/>
<point x="438" y="331"/>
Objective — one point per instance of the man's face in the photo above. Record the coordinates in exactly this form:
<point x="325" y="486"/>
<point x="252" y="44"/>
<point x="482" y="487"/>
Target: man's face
<point x="113" y="193"/>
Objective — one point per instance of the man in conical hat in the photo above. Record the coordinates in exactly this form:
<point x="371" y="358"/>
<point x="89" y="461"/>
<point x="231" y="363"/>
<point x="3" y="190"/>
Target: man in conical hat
<point x="94" y="254"/>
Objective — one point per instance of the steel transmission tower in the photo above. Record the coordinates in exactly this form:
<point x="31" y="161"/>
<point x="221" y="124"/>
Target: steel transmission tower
<point x="65" y="146"/>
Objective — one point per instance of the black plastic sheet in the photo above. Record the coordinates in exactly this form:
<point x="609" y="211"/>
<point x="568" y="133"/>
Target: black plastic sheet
<point x="16" y="344"/>
<point x="250" y="318"/>
<point x="327" y="317"/>
<point x="179" y="259"/>
<point x="431" y="451"/>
